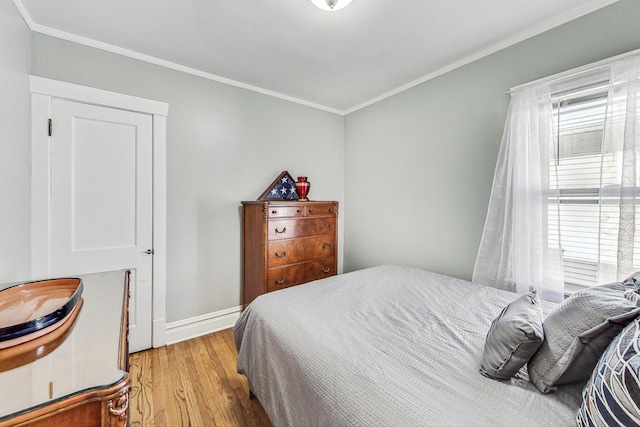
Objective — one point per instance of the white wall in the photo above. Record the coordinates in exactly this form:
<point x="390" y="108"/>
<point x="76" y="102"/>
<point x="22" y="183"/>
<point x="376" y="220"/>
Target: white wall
<point x="15" y="119"/>
<point x="224" y="145"/>
<point x="419" y="165"/>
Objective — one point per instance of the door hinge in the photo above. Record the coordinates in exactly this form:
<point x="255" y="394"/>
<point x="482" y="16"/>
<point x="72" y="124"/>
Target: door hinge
<point x="50" y="127"/>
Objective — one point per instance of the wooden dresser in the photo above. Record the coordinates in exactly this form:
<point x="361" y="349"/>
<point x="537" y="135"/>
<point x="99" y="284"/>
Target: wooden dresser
<point x="82" y="380"/>
<point x="286" y="243"/>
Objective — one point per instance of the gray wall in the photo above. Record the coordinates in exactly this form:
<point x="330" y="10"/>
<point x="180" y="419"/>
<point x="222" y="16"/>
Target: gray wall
<point x="224" y="145"/>
<point x="419" y="165"/>
<point x="15" y="140"/>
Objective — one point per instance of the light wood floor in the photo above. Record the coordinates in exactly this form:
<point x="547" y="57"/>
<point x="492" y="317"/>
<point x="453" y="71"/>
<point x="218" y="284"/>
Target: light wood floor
<point x="192" y="383"/>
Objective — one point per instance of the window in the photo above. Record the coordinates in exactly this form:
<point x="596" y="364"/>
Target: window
<point x="562" y="211"/>
<point x="584" y="190"/>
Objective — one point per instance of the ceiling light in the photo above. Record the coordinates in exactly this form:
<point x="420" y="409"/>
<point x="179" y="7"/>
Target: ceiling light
<point x="331" y="5"/>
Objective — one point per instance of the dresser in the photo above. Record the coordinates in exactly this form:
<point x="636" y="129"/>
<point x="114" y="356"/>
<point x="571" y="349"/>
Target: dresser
<point x="287" y="243"/>
<point x="82" y="379"/>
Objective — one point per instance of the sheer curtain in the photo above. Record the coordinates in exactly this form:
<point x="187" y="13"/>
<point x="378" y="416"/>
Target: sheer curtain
<point x="514" y="252"/>
<point x="620" y="177"/>
<point x="522" y="247"/>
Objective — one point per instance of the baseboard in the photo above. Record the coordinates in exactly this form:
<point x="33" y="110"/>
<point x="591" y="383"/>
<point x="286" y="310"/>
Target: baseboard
<point x="159" y="333"/>
<point x="193" y="327"/>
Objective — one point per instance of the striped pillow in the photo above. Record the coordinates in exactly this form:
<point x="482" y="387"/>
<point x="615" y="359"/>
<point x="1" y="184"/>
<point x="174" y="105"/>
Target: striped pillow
<point x="612" y="395"/>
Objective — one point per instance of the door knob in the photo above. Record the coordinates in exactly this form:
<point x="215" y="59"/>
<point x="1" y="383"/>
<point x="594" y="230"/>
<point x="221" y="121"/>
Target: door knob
<point x="148" y="252"/>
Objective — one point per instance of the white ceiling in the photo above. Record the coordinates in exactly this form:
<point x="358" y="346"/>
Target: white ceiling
<point x="336" y="61"/>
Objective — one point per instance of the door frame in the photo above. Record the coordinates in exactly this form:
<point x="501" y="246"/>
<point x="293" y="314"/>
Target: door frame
<point x="43" y="90"/>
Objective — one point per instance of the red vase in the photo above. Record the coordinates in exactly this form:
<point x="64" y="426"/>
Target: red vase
<point x="302" y="187"/>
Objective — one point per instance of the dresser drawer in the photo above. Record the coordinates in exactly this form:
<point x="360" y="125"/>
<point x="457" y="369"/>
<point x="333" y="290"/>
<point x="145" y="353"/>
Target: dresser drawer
<point x="291" y="275"/>
<point x="321" y="209"/>
<point x="301" y="210"/>
<point x="286" y="211"/>
<point x="292" y="228"/>
<point x="283" y="252"/>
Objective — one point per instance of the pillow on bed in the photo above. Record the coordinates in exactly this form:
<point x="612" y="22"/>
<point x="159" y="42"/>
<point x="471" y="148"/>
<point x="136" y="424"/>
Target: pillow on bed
<point x="612" y="395"/>
<point x="577" y="331"/>
<point x="513" y="338"/>
<point x="633" y="296"/>
<point x="634" y="279"/>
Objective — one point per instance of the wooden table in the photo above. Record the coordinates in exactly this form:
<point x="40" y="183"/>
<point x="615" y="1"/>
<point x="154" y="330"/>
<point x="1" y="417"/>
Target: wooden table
<point x="84" y="380"/>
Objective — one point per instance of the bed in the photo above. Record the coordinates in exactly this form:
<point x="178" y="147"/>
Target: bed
<point x="388" y="345"/>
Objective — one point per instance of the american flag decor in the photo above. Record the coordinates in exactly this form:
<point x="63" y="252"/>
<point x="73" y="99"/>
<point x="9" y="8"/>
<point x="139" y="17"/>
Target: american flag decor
<point x="283" y="188"/>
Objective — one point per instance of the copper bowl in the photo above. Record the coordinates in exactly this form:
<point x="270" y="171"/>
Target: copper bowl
<point x="31" y="310"/>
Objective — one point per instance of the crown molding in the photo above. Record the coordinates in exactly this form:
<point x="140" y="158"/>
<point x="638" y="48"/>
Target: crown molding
<point x="586" y="8"/>
<point x="42" y="29"/>
<point x="517" y="38"/>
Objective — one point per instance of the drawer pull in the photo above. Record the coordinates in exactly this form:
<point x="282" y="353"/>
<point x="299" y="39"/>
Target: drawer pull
<point x="299" y="211"/>
<point x="284" y="254"/>
<point x="284" y="230"/>
<point x="280" y="282"/>
<point x="326" y="245"/>
<point x="274" y="212"/>
<point x="326" y="270"/>
<point x="311" y="211"/>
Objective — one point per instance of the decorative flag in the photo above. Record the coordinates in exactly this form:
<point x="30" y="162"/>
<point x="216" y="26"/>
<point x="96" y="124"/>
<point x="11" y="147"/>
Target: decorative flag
<point x="283" y="188"/>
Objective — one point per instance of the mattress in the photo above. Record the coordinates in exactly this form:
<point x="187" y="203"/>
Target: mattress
<point x="388" y="345"/>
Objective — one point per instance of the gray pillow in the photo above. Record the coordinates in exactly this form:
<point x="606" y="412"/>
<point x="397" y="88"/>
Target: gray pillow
<point x="577" y="332"/>
<point x="513" y="338"/>
<point x="634" y="279"/>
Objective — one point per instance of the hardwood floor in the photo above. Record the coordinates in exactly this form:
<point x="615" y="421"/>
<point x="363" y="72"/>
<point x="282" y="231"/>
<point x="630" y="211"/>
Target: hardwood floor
<point x="192" y="383"/>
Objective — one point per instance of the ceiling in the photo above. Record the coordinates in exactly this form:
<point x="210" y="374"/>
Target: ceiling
<point x="335" y="61"/>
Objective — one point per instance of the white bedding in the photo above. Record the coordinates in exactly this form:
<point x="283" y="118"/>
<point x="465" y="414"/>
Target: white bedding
<point x="388" y="345"/>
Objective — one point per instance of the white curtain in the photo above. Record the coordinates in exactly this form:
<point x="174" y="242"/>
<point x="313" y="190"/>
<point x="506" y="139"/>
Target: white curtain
<point x="621" y="153"/>
<point x="514" y="252"/>
<point x="520" y="250"/>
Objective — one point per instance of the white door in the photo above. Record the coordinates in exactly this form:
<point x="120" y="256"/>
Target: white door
<point x="101" y="200"/>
